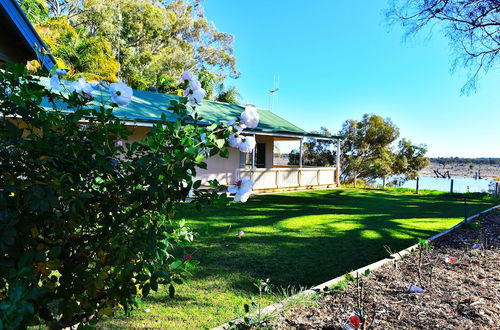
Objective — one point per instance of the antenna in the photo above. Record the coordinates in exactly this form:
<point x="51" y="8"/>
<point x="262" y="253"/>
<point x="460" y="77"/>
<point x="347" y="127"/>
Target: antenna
<point x="273" y="93"/>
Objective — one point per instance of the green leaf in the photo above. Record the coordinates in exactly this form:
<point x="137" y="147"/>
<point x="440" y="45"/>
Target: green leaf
<point x="192" y="150"/>
<point x="176" y="264"/>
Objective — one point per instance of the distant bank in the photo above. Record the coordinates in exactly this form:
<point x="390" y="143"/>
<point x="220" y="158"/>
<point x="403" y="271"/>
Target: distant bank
<point x="486" y="168"/>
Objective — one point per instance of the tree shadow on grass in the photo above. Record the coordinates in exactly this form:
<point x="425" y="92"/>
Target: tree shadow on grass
<point x="307" y="238"/>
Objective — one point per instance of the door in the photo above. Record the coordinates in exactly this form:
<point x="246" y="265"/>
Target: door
<point x="260" y="155"/>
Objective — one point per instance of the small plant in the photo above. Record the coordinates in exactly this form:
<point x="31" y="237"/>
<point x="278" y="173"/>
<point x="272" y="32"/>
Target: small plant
<point x="423" y="245"/>
<point x="249" y="322"/>
<point x="264" y="286"/>
<point x="359" y="308"/>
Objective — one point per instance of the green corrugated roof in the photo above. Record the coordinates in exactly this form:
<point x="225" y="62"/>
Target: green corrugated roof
<point x="148" y="107"/>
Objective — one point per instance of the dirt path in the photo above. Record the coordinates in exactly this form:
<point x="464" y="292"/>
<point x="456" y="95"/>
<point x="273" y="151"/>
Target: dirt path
<point x="461" y="295"/>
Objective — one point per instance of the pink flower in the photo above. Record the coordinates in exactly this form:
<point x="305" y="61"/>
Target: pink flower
<point x="240" y="233"/>
<point x="242" y="190"/>
<point x="188" y="256"/>
<point x="119" y="143"/>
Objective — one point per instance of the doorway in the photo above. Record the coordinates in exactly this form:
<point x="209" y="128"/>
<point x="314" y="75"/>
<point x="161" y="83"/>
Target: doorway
<point x="260" y="155"/>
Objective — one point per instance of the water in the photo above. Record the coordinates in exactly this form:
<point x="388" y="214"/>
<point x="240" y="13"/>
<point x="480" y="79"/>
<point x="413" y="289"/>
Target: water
<point x="460" y="185"/>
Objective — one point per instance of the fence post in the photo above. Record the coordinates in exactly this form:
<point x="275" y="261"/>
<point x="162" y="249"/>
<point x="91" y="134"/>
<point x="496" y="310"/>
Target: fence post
<point x="417" y="185"/>
<point x="451" y="186"/>
<point x="465" y="208"/>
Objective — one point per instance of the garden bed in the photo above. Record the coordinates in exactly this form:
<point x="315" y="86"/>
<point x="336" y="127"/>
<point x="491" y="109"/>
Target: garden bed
<point x="461" y="295"/>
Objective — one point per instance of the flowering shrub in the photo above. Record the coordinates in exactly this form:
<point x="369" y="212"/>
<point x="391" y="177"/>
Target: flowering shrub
<point x="86" y="218"/>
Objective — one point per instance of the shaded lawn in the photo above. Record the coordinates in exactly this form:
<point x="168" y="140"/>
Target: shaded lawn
<point x="300" y="239"/>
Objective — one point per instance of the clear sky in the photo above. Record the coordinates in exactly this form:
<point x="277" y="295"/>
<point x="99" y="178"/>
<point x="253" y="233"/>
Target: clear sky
<point x="338" y="59"/>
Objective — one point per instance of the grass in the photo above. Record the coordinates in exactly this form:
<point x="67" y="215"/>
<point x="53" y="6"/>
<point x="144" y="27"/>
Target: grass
<point x="301" y="239"/>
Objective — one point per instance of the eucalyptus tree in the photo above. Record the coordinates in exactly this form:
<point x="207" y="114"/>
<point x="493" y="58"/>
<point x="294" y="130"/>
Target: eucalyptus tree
<point x="472" y="27"/>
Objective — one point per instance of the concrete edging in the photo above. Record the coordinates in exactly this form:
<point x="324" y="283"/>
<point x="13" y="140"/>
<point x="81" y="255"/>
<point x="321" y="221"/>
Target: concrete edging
<point x="374" y="266"/>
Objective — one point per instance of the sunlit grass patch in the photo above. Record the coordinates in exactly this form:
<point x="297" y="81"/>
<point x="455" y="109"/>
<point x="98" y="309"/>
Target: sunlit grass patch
<point x="298" y="239"/>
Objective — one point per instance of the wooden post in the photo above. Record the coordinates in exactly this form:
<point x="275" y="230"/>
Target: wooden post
<point x="451" y="186"/>
<point x="253" y="156"/>
<point x="253" y="162"/>
<point x="301" y="151"/>
<point x="337" y="163"/>
<point x="416" y="191"/>
<point x="465" y="208"/>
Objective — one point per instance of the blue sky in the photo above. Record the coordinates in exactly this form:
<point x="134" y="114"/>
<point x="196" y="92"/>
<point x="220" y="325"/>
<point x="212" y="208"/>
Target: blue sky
<point x="336" y="61"/>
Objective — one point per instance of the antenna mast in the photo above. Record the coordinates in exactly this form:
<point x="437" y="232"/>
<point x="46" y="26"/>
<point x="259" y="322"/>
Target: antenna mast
<point x="273" y="93"/>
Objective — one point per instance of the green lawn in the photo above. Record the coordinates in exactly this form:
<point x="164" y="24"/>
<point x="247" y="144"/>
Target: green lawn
<point x="302" y="238"/>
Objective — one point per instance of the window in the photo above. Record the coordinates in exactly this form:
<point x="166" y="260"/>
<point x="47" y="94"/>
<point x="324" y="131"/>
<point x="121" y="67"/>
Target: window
<point x="260" y="157"/>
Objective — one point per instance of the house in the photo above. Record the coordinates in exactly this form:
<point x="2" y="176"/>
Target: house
<point x="147" y="108"/>
<point x="22" y="43"/>
<point x="19" y="42"/>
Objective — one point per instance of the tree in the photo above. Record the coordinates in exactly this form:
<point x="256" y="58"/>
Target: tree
<point x="36" y="10"/>
<point x="409" y="159"/>
<point x="69" y="8"/>
<point x="368" y="152"/>
<point x="153" y="38"/>
<point x="366" y="148"/>
<point x="89" y="57"/>
<point x="227" y="95"/>
<point x="472" y="27"/>
<point x="87" y="220"/>
<point x="315" y="152"/>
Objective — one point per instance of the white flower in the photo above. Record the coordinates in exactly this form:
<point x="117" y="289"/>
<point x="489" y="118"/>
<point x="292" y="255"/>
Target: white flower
<point x="55" y="84"/>
<point x="242" y="190"/>
<point x="81" y="87"/>
<point x="61" y="72"/>
<point x="121" y="94"/>
<point x="101" y="85"/>
<point x="187" y="235"/>
<point x="248" y="145"/>
<point x="194" y="84"/>
<point x="240" y="128"/>
<point x="197" y="96"/>
<point x="250" y="116"/>
<point x="234" y="141"/>
<point x="194" y="92"/>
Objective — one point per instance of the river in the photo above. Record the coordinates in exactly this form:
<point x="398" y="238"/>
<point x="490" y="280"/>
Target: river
<point x="460" y="185"/>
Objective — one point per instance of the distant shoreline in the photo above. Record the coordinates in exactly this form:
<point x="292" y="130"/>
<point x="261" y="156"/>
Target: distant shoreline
<point x="462" y="169"/>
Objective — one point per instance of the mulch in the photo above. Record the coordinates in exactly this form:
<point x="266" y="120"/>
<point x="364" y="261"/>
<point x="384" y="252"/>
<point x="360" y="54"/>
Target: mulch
<point x="460" y="295"/>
